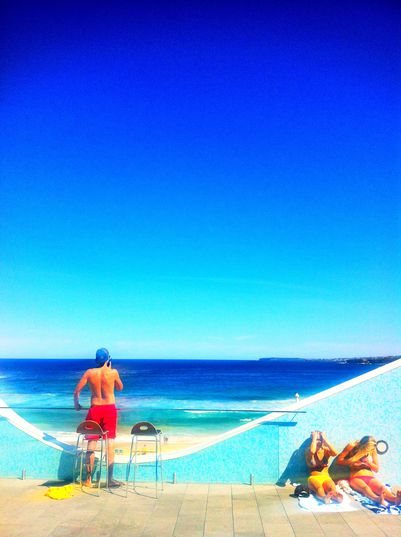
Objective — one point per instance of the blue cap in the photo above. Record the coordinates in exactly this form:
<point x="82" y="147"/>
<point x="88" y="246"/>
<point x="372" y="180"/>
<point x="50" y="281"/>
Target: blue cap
<point x="102" y="356"/>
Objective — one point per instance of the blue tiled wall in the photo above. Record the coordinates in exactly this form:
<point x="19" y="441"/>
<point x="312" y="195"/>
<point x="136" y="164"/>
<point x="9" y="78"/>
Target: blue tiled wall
<point x="22" y="452"/>
<point x="254" y="452"/>
<point x="370" y="408"/>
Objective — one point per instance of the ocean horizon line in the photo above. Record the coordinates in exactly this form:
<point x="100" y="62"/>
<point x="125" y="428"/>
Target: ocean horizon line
<point x="217" y="359"/>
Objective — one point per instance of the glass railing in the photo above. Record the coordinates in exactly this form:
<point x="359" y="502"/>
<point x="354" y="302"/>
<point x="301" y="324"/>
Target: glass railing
<point x="181" y="427"/>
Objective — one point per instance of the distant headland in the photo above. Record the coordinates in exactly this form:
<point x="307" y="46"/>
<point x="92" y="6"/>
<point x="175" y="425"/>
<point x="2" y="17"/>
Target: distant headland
<point x="356" y="360"/>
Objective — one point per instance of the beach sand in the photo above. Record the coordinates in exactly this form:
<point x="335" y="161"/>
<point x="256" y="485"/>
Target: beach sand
<point x="171" y="442"/>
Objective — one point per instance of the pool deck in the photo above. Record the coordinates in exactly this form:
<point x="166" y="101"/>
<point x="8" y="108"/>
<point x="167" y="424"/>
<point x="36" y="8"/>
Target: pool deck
<point x="182" y="510"/>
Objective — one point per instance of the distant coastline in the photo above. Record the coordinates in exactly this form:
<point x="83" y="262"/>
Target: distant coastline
<point x="368" y="360"/>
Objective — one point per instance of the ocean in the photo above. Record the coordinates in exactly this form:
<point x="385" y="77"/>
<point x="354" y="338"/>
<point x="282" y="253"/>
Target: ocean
<point x="183" y="397"/>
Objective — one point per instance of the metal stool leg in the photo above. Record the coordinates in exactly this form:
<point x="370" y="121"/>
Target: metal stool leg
<point x="135" y="460"/>
<point x="100" y="466"/>
<point x="82" y="459"/>
<point x="156" y="465"/>
<point x="80" y="453"/>
<point x="78" y="459"/>
<point x="104" y="460"/>
<point x="161" y="462"/>
<point x="129" y="467"/>
<point x="107" y="462"/>
<point x="75" y="461"/>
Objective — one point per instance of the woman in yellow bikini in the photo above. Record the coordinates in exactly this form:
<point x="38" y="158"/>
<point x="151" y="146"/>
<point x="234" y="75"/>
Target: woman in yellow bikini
<point x="317" y="457"/>
<point x="361" y="457"/>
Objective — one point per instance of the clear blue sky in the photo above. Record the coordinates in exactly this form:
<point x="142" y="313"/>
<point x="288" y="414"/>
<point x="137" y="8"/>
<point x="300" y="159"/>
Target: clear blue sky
<point x="194" y="181"/>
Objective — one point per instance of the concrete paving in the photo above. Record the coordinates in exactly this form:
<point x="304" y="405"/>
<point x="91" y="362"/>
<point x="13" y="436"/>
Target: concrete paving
<point x="182" y="510"/>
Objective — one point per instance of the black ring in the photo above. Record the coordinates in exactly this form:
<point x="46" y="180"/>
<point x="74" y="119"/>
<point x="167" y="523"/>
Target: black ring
<point x="384" y="450"/>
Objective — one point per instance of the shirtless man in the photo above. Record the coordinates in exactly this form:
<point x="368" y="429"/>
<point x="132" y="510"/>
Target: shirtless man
<point x="102" y="380"/>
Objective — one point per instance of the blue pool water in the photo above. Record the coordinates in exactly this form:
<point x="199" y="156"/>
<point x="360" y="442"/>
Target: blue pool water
<point x="187" y="396"/>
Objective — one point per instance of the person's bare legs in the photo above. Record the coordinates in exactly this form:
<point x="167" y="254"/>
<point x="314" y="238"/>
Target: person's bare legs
<point x="331" y="491"/>
<point x="110" y="454"/>
<point x="319" y="493"/>
<point x="90" y="461"/>
<point x="363" y="488"/>
<point x="379" y="488"/>
<point x="318" y="490"/>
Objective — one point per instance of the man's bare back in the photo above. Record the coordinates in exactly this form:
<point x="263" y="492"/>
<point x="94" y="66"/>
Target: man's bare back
<point x="101" y="381"/>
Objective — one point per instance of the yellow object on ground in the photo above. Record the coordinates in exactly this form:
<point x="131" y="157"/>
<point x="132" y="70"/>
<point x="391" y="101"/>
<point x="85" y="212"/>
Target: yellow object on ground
<point x="60" y="493"/>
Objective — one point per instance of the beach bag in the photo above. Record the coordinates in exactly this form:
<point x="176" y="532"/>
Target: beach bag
<point x="301" y="491"/>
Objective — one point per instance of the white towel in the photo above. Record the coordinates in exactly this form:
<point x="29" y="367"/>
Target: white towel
<point x="316" y="506"/>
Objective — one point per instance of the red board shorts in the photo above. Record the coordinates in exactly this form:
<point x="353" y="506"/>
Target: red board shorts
<point x="106" y="417"/>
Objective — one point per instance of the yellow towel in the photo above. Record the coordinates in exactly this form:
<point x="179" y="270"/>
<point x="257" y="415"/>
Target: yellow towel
<point x="60" y="493"/>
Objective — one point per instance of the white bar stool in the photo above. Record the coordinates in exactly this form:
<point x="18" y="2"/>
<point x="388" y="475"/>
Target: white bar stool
<point x="90" y="430"/>
<point x="146" y="432"/>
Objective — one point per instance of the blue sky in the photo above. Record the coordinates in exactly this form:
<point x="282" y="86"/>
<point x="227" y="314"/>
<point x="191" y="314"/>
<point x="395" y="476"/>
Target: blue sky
<point x="192" y="181"/>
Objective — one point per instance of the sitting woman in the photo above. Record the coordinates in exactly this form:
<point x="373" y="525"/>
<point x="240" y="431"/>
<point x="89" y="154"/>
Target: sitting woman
<point x="361" y="457"/>
<point x="317" y="458"/>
